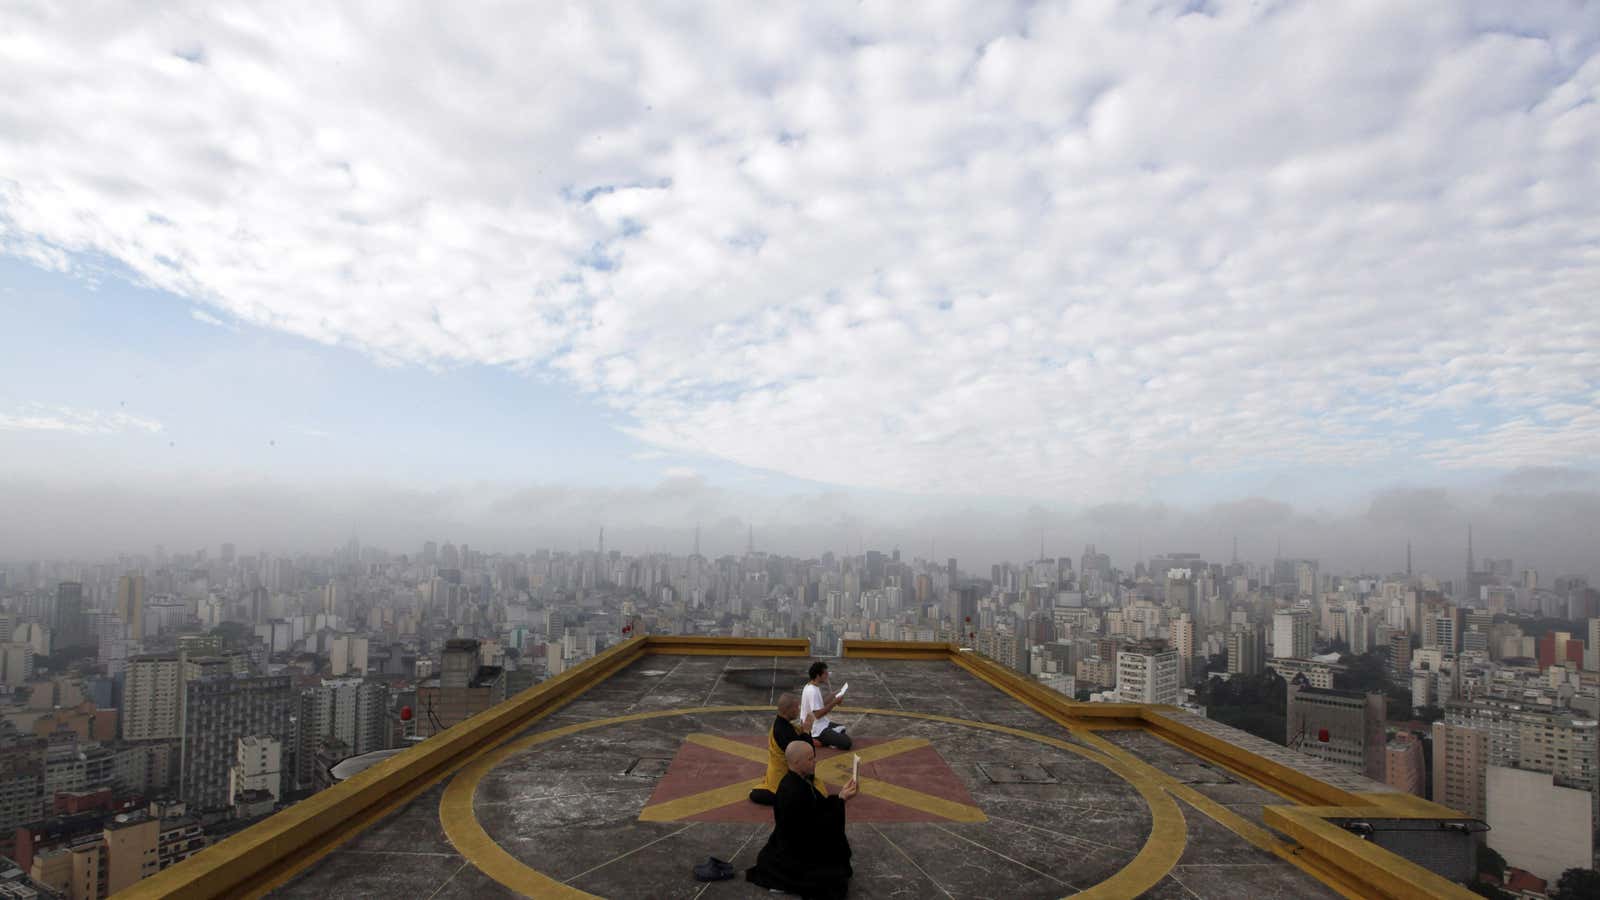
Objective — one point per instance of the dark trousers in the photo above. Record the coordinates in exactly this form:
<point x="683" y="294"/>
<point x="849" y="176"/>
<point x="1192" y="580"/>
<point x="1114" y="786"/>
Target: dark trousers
<point x="833" y="737"/>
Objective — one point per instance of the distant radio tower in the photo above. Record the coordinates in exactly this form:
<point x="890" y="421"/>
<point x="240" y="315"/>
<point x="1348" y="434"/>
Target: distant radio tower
<point x="697" y="539"/>
<point x="750" y="542"/>
<point x="1408" y="559"/>
<point x="602" y="542"/>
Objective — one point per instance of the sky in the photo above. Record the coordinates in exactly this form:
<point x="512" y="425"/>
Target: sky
<point x="1146" y="273"/>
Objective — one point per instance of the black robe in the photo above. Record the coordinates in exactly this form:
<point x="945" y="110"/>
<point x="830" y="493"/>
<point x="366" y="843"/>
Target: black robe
<point x="808" y="853"/>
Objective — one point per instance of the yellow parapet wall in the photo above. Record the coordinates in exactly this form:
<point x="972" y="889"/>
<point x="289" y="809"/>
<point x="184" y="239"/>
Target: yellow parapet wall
<point x="1335" y="853"/>
<point x="268" y="853"/>
<point x="700" y="645"/>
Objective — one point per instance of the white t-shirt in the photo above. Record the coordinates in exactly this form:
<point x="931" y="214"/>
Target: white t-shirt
<point x="810" y="701"/>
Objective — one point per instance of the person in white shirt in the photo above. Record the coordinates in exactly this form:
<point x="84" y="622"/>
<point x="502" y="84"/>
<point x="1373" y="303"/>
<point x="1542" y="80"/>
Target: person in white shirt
<point x="815" y="705"/>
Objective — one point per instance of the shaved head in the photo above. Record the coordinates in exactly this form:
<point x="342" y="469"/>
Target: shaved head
<point x="800" y="756"/>
<point x="788" y="705"/>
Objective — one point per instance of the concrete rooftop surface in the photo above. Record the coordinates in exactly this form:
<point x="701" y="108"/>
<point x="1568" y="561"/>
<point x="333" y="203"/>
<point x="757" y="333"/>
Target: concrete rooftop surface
<point x="966" y="792"/>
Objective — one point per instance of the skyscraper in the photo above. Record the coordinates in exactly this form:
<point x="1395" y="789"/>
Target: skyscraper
<point x="1460" y="766"/>
<point x="1183" y="641"/>
<point x="1244" y="650"/>
<point x="69" y="615"/>
<point x="130" y="603"/>
<point x="1400" y="654"/>
<point x="152" y="698"/>
<point x="341" y="718"/>
<point x="1292" y="634"/>
<point x="218" y="711"/>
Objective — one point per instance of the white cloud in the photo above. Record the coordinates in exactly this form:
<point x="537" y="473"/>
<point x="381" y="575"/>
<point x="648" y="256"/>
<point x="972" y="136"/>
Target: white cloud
<point x="39" y="417"/>
<point x="1069" y="249"/>
<point x="200" y="315"/>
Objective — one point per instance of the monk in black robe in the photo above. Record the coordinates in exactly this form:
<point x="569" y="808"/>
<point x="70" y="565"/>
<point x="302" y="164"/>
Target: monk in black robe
<point x="783" y="734"/>
<point x="808" y="853"/>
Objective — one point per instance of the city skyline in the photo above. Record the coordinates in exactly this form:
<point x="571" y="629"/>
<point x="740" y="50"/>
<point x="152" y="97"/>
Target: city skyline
<point x="1538" y="519"/>
<point x="436" y="440"/>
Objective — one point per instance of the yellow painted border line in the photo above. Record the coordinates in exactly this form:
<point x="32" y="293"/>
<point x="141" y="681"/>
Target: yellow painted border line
<point x="1161" y="851"/>
<point x="273" y="850"/>
<point x="1338" y="859"/>
<point x="1260" y="837"/>
<point x="468" y="836"/>
<point x="278" y="847"/>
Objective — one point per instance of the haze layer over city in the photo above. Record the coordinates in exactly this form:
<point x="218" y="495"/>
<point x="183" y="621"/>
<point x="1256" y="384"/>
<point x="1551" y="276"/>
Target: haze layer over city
<point x="410" y="358"/>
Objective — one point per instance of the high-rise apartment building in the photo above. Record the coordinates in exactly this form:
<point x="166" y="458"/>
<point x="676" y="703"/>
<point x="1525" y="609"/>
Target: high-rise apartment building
<point x="22" y="780"/>
<point x="1183" y="641"/>
<point x="1591" y="653"/>
<point x="1147" y="672"/>
<point x="16" y="663"/>
<point x="1460" y="766"/>
<point x="1537" y="738"/>
<point x="341" y="718"/>
<point x="1400" y="655"/>
<point x="257" y="766"/>
<point x="1293" y="633"/>
<point x="347" y="655"/>
<point x="69" y="630"/>
<point x="1358" y="630"/>
<point x="1244" y="650"/>
<point x="218" y="711"/>
<point x="152" y="698"/>
<point x="1004" y="647"/>
<point x="1343" y="727"/>
<point x="1405" y="765"/>
<point x="1446" y="631"/>
<point x="130" y="603"/>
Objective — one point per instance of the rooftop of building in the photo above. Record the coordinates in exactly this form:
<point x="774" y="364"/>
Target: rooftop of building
<point x="615" y="778"/>
<point x="1308" y="689"/>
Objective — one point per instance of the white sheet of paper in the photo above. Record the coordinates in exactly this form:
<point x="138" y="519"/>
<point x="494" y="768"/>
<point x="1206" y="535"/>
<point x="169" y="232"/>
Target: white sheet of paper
<point x="843" y="689"/>
<point x="855" y="767"/>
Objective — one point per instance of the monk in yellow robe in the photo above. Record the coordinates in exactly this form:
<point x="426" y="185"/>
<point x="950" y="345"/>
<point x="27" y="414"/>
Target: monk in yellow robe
<point x="783" y="734"/>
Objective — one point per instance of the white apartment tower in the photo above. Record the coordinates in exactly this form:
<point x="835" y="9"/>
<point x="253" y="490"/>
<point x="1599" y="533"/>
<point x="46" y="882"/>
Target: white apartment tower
<point x="1147" y="672"/>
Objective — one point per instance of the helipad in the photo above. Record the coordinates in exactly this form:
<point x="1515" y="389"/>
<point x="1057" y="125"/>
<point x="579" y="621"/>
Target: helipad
<point x="976" y="783"/>
<point x="561" y="814"/>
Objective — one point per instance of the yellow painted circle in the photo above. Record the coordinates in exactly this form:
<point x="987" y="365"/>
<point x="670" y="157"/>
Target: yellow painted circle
<point x="1161" y="851"/>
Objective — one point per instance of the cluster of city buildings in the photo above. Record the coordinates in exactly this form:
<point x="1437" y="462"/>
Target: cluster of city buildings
<point x="152" y="705"/>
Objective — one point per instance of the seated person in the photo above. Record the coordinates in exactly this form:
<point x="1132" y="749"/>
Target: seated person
<point x="814" y="709"/>
<point x="808" y="853"/>
<point x="778" y="740"/>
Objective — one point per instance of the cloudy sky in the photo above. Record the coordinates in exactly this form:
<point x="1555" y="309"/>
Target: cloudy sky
<point x="1098" y="270"/>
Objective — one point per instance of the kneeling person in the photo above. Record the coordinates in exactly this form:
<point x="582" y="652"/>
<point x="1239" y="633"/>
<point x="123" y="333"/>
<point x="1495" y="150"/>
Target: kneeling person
<point x="815" y="706"/>
<point x="783" y="734"/>
<point x="808" y="853"/>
